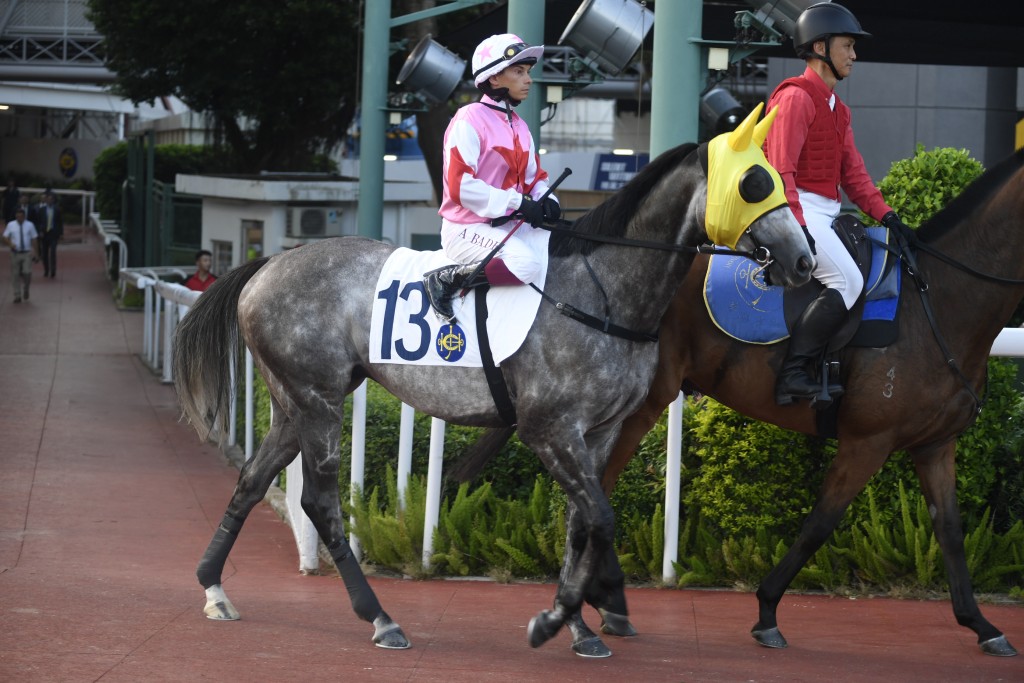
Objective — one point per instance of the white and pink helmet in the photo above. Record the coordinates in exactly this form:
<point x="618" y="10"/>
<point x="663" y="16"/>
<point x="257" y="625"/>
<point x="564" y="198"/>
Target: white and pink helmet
<point x="499" y="52"/>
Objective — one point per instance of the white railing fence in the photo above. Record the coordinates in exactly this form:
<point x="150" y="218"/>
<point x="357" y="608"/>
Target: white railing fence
<point x="166" y="303"/>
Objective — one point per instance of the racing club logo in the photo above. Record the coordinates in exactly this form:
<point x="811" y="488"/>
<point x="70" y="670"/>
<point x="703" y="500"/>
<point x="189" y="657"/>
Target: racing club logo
<point x="451" y="343"/>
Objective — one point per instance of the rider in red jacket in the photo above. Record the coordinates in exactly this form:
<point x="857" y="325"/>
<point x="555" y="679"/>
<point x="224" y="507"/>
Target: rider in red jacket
<point x="811" y="145"/>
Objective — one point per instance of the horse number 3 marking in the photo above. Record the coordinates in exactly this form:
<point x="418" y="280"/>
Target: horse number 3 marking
<point x="889" y="386"/>
<point x="390" y="296"/>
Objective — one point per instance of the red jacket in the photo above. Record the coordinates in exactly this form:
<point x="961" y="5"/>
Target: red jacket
<point x="193" y="282"/>
<point x="812" y="148"/>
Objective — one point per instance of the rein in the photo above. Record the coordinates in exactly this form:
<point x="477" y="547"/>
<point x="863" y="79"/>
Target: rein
<point x="760" y="255"/>
<point x="906" y="239"/>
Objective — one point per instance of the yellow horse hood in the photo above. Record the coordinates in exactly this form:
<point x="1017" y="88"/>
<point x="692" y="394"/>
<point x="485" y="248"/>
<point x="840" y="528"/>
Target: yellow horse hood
<point x="742" y="186"/>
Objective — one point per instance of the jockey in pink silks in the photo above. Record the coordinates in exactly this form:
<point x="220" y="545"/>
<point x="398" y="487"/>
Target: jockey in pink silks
<point x="491" y="171"/>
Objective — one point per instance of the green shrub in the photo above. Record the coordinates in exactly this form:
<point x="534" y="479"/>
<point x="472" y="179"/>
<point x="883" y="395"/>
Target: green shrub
<point x="752" y="476"/>
<point x="918" y="187"/>
<point x="111" y="169"/>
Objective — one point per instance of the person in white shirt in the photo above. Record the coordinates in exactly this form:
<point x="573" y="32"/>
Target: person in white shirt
<point x="20" y="235"/>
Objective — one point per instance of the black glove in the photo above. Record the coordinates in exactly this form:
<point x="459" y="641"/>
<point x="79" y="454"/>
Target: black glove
<point x="552" y="211"/>
<point x="893" y="222"/>
<point x="530" y="211"/>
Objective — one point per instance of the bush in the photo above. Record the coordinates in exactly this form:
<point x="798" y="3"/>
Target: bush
<point x="919" y="187"/>
<point x="111" y="168"/>
<point x="750" y="475"/>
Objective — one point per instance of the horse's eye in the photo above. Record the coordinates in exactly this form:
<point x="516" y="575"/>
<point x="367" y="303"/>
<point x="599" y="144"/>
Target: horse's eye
<point x="756" y="185"/>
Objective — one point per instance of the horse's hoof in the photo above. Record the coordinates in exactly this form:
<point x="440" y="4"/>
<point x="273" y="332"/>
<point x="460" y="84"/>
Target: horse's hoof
<point x="998" y="647"/>
<point x="613" y="624"/>
<point x="218" y="607"/>
<point x="592" y="648"/>
<point x="543" y="627"/>
<point x="769" y="637"/>
<point x="388" y="635"/>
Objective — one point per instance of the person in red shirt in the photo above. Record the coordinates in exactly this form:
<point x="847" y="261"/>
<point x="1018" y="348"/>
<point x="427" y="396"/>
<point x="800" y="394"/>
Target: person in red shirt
<point x="201" y="280"/>
<point x="811" y="145"/>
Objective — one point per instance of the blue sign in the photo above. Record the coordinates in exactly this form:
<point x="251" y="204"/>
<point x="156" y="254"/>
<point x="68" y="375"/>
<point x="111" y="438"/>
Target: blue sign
<point x="612" y="171"/>
<point x="68" y="162"/>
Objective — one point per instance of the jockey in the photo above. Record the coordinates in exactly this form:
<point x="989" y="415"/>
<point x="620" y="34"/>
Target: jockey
<point x="811" y="145"/>
<point x="491" y="171"/>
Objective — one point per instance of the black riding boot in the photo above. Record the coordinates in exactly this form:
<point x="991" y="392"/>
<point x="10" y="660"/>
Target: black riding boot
<point x="807" y="343"/>
<point x="442" y="284"/>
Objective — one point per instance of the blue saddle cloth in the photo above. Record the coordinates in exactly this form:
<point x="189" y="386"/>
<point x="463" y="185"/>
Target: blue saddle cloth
<point x="745" y="308"/>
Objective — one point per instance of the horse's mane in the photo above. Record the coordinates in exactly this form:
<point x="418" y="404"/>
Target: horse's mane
<point x="967" y="201"/>
<point x="612" y="216"/>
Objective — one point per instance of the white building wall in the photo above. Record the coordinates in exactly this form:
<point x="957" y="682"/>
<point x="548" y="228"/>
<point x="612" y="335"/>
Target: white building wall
<point x="41" y="156"/>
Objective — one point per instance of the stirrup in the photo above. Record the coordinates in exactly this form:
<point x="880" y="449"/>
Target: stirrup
<point x="823" y="399"/>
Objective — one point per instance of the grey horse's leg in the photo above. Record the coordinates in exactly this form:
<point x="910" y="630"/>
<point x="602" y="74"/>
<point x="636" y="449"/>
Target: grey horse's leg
<point x="573" y="466"/>
<point x="321" y="503"/>
<point x="605" y="592"/>
<point x="936" y="471"/>
<point x="278" y="449"/>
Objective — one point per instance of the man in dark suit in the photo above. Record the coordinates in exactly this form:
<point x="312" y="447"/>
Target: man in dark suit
<point x="49" y="221"/>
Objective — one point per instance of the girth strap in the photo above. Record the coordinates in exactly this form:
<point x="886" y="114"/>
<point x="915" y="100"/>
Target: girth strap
<point x="495" y="377"/>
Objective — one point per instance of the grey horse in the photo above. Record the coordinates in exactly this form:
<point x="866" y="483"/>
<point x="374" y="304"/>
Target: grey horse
<point x="305" y="316"/>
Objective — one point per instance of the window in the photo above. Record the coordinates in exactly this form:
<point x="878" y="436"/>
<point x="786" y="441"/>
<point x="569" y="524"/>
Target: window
<point x="223" y="258"/>
<point x="252" y="239"/>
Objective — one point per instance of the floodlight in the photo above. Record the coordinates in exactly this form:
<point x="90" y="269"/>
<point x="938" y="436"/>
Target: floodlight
<point x="431" y="70"/>
<point x="608" y="32"/>
<point x="780" y="15"/>
<point x="720" y="111"/>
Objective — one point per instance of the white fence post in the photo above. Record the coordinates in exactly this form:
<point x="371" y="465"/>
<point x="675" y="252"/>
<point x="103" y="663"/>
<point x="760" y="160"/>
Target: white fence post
<point x="673" y="468"/>
<point x="358" y="458"/>
<point x="306" y="538"/>
<point x="147" y="319"/>
<point x="170" y="321"/>
<point x="405" y="433"/>
<point x="250" y="413"/>
<point x="433" y="503"/>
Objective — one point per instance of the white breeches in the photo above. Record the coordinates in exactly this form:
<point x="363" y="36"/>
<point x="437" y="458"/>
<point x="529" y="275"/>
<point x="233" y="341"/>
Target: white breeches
<point x="473" y="242"/>
<point x="836" y="269"/>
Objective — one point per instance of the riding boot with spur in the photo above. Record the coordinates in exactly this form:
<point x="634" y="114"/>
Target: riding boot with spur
<point x="807" y="343"/>
<point x="442" y="284"/>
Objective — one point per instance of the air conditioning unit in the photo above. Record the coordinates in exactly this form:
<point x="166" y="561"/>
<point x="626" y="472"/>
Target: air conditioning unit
<point x="314" y="221"/>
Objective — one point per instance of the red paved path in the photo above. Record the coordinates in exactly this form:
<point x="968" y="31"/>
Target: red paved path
<point x="107" y="502"/>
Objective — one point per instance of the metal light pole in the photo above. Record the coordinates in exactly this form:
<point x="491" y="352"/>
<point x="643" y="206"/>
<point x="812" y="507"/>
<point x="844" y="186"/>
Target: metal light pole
<point x="526" y="20"/>
<point x="675" y="85"/>
<point x="373" y="118"/>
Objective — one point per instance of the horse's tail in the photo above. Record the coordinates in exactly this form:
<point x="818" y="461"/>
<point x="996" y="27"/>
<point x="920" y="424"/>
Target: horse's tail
<point x="483" y="450"/>
<point x="205" y="343"/>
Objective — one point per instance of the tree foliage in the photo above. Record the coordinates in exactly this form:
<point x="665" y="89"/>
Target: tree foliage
<point x="279" y="80"/>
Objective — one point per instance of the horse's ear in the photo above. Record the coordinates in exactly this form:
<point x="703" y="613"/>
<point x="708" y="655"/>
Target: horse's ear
<point x="739" y="139"/>
<point x="761" y="130"/>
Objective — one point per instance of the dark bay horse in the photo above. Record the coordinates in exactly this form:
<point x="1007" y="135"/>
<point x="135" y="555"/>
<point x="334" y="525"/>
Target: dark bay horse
<point x="903" y="397"/>
<point x="305" y="316"/>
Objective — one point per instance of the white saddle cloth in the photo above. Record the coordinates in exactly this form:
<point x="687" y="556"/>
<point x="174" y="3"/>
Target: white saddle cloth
<point x="405" y="330"/>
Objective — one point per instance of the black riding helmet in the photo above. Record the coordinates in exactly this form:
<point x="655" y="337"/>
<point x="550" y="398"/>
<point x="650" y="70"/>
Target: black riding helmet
<point x="821" y="22"/>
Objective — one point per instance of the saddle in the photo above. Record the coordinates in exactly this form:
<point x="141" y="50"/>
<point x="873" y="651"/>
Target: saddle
<point x="864" y="325"/>
<point x="746" y="308"/>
